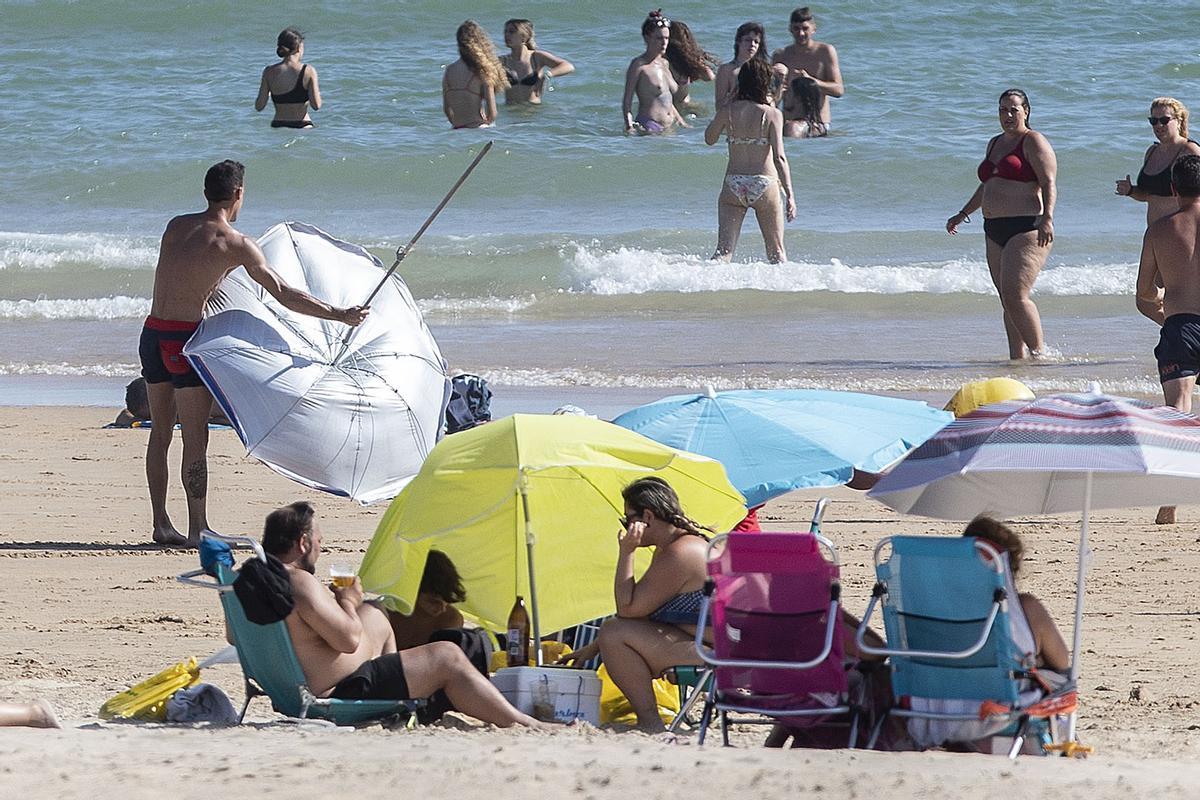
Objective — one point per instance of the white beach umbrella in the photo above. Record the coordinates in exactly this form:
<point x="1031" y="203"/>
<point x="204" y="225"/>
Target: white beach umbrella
<point x="353" y="416"/>
<point x="1066" y="452"/>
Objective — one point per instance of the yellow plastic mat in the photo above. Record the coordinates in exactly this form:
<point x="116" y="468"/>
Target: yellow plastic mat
<point x="148" y="700"/>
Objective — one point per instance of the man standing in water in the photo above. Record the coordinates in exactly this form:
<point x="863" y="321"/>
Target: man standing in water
<point x="197" y="252"/>
<point x="1168" y="292"/>
<point x="809" y="63"/>
<point x="649" y="76"/>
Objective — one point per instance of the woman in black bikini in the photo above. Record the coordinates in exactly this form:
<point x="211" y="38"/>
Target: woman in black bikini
<point x="656" y="616"/>
<point x="291" y="84"/>
<point x="469" y="85"/>
<point x="1169" y="121"/>
<point x="525" y="65"/>
<point x="1017" y="193"/>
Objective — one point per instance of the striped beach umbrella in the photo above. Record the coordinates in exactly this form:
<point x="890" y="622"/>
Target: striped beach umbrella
<point x="1061" y="453"/>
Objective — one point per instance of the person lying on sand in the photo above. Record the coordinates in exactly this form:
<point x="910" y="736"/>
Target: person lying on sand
<point x="38" y="714"/>
<point x="137" y="407"/>
<point x="346" y="647"/>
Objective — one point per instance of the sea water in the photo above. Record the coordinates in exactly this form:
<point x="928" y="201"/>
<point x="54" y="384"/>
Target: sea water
<point x="574" y="262"/>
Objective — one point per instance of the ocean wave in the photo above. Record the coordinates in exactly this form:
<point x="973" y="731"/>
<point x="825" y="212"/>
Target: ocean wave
<point x="44" y="251"/>
<point x="476" y="306"/>
<point x="877" y="382"/>
<point x="120" y="307"/>
<point x="111" y="370"/>
<point x="627" y="270"/>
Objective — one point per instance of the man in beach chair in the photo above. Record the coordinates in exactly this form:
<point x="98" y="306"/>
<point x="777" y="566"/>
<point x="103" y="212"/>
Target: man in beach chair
<point x="971" y="659"/>
<point x="346" y="646"/>
<point x="778" y="635"/>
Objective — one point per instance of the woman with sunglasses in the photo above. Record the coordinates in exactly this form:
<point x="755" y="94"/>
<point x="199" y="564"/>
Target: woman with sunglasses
<point x="469" y="85"/>
<point x="1017" y="193"/>
<point x="649" y="77"/>
<point x="757" y="175"/>
<point x="1169" y="121"/>
<point x="655" y="625"/>
<point x="527" y="67"/>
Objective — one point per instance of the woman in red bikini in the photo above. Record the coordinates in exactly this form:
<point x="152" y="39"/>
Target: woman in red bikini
<point x="291" y="84"/>
<point x="1017" y="193"/>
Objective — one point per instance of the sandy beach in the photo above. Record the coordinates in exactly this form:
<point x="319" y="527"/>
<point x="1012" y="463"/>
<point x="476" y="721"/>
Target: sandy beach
<point x="88" y="608"/>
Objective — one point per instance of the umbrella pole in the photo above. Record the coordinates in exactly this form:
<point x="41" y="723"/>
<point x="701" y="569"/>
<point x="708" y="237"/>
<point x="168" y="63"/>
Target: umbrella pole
<point x="403" y="251"/>
<point x="533" y="602"/>
<point x="1080" y="582"/>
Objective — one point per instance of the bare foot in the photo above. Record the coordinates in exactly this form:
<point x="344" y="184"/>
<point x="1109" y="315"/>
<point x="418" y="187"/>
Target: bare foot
<point x="169" y="537"/>
<point x="43" y="715"/>
<point x="1166" y="516"/>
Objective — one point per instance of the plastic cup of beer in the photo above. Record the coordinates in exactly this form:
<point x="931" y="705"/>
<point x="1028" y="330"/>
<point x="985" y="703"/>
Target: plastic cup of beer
<point x="341" y="575"/>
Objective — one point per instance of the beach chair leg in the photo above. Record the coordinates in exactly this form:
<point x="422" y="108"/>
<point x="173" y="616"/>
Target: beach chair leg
<point x="705" y="719"/>
<point x="1018" y="738"/>
<point x="250" y="693"/>
<point x="876" y="730"/>
<point x="698" y="691"/>
<point x="725" y="727"/>
<point x="854" y="716"/>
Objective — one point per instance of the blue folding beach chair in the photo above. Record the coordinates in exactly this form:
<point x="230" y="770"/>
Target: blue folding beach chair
<point x="269" y="664"/>
<point x="948" y="612"/>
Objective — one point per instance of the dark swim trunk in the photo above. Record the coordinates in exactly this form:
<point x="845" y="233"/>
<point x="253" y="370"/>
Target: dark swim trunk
<point x="292" y="123"/>
<point x="1178" y="350"/>
<point x="161" y="352"/>
<point x="1001" y="229"/>
<point x="378" y="679"/>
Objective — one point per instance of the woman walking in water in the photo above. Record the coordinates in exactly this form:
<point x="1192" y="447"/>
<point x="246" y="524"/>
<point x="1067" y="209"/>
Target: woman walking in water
<point x="1017" y="193"/>
<point x="525" y="65"/>
<point x="469" y="85"/>
<point x="757" y="175"/>
<point x="291" y="84"/>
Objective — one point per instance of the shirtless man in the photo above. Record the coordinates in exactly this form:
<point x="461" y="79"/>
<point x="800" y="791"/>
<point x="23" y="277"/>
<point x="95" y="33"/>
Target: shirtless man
<point x="196" y="253"/>
<point x="346" y="647"/>
<point x="808" y="59"/>
<point x="649" y="76"/>
<point x="1168" y="292"/>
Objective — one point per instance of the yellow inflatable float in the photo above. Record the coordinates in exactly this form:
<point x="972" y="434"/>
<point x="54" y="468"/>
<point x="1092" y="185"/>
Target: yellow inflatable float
<point x="981" y="393"/>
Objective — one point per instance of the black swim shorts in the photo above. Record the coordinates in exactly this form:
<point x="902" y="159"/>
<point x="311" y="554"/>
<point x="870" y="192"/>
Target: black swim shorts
<point x="1178" y="350"/>
<point x="160" y="350"/>
<point x="378" y="679"/>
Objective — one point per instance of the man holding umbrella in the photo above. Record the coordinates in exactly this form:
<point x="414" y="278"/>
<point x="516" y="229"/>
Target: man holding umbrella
<point x="1168" y="292"/>
<point x="197" y="252"/>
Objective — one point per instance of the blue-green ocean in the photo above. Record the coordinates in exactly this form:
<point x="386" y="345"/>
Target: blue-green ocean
<point x="574" y="260"/>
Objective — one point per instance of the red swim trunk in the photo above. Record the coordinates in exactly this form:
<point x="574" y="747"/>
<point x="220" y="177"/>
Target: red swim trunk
<point x="161" y="351"/>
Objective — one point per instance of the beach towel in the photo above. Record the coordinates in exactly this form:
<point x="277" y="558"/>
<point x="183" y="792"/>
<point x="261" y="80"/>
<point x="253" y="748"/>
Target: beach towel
<point x="265" y="590"/>
<point x="201" y="703"/>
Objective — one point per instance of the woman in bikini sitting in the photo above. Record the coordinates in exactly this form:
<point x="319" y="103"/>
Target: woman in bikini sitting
<point x="689" y="62"/>
<point x="526" y="66"/>
<point x="655" y="625"/>
<point x="469" y="85"/>
<point x="757" y="176"/>
<point x="291" y="84"/>
<point x="1017" y="193"/>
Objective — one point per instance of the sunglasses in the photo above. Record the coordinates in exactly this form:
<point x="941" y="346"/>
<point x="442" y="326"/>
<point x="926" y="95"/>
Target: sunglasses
<point x="1160" y="120"/>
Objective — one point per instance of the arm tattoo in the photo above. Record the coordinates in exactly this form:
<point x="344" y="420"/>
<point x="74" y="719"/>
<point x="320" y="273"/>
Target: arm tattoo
<point x="195" y="482"/>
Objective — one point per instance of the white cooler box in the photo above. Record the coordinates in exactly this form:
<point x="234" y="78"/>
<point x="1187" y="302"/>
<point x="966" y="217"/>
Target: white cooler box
<point x="573" y="693"/>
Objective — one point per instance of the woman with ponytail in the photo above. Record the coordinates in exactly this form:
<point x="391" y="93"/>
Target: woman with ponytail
<point x="291" y="84"/>
<point x="655" y="625"/>
<point x="469" y="85"/>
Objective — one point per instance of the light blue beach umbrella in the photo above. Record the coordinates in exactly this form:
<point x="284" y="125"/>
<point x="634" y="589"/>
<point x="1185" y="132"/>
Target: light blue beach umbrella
<point x="772" y="441"/>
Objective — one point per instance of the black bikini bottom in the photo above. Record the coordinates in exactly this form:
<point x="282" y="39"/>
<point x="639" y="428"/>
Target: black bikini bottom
<point x="287" y="123"/>
<point x="1001" y="229"/>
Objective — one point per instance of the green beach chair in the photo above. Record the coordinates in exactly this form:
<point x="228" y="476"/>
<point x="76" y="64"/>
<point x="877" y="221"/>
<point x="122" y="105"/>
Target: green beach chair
<point x="270" y="667"/>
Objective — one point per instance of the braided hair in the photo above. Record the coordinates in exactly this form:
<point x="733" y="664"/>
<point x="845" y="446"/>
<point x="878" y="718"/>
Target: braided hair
<point x="654" y="494"/>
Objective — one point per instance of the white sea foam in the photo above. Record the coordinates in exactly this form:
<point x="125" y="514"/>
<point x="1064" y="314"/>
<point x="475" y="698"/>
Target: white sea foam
<point x="119" y="307"/>
<point x="883" y="381"/>
<point x="110" y="370"/>
<point x="635" y="271"/>
<point x="475" y="306"/>
<point x="44" y="251"/>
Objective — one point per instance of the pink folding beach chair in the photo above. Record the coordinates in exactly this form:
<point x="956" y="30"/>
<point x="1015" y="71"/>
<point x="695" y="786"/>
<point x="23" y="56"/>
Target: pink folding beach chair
<point x="776" y="629"/>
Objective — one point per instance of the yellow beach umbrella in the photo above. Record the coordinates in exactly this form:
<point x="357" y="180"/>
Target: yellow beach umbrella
<point x="529" y="505"/>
